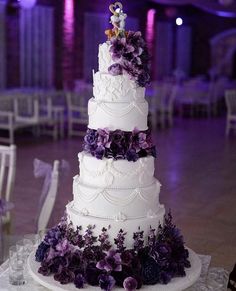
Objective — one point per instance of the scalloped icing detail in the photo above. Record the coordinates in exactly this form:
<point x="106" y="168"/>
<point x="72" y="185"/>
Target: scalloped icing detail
<point x="120" y="217"/>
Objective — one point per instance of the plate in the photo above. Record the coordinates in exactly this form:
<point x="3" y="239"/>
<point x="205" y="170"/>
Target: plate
<point x="176" y="284"/>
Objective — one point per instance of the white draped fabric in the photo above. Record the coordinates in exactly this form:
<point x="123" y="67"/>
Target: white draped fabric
<point x="36" y="47"/>
<point x="211" y="6"/>
<point x="2" y="46"/>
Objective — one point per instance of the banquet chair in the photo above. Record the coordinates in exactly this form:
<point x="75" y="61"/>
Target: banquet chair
<point x="230" y="99"/>
<point x="7" y="179"/>
<point x="49" y="192"/>
<point x="77" y="114"/>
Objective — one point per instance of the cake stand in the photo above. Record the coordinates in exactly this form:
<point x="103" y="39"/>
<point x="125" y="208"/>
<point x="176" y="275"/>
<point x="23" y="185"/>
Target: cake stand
<point x="176" y="284"/>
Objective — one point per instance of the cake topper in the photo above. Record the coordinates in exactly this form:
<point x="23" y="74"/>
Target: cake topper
<point x="117" y="20"/>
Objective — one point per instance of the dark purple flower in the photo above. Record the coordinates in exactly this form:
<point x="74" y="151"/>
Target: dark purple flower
<point x="92" y="274"/>
<point x="79" y="281"/>
<point x="131" y="155"/>
<point x="119" y="240"/>
<point x="138" y="240"/>
<point x="164" y="277"/>
<point x="117" y="47"/>
<point x="150" y="271"/>
<point x="99" y="152"/>
<point x="57" y="262"/>
<point x="112" y="262"/>
<point x="115" y="69"/>
<point x="143" y="79"/>
<point x="127" y="257"/>
<point x="45" y="269"/>
<point x="41" y="251"/>
<point x="75" y="260"/>
<point x="120" y="276"/>
<point x="130" y="284"/>
<point x="64" y="276"/>
<point x="103" y="238"/>
<point x="106" y="282"/>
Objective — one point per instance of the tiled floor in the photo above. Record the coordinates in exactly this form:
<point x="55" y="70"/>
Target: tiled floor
<point x="196" y="165"/>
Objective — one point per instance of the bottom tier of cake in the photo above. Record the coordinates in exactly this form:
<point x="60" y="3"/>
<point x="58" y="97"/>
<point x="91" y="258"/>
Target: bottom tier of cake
<point x="130" y="226"/>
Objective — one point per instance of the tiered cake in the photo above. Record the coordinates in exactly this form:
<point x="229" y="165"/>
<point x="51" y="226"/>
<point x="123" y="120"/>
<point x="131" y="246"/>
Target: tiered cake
<point x="116" y="192"/>
<point x="115" y="231"/>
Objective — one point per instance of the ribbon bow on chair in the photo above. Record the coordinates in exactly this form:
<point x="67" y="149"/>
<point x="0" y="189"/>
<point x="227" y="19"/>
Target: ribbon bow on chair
<point x="52" y="176"/>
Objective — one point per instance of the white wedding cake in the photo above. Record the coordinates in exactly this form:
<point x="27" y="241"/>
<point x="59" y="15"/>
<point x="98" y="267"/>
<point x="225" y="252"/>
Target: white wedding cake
<point x="115" y="232"/>
<point x="108" y="192"/>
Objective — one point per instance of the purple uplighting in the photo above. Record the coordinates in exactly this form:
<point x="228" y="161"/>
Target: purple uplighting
<point x="150" y="27"/>
<point x="68" y="38"/>
<point x="68" y="26"/>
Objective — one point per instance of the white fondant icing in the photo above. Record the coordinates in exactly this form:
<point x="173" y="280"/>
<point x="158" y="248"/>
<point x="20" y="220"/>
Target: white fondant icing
<point x="120" y="217"/>
<point x="116" y="88"/>
<point x="124" y="116"/>
<point x="104" y="57"/>
<point x="96" y="200"/>
<point x="129" y="225"/>
<point x="115" y="173"/>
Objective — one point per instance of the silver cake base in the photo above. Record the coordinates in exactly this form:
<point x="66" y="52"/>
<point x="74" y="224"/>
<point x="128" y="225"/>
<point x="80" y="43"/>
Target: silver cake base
<point x="176" y="284"/>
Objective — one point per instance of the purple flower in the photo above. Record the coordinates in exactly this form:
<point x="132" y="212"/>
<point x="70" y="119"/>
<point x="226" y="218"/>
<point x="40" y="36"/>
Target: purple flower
<point x="41" y="251"/>
<point x="112" y="262"/>
<point x="117" y="47"/>
<point x="143" y="79"/>
<point x="79" y="281"/>
<point x="106" y="282"/>
<point x="103" y="137"/>
<point x="115" y="69"/>
<point x="99" y="152"/>
<point x="120" y="276"/>
<point x="74" y="260"/>
<point x="63" y="247"/>
<point x="103" y="238"/>
<point x="138" y="240"/>
<point x="90" y="140"/>
<point x="131" y="155"/>
<point x="92" y="274"/>
<point x="132" y="54"/>
<point x="130" y="284"/>
<point x="53" y="236"/>
<point x="127" y="257"/>
<point x="150" y="271"/>
<point x="164" y="277"/>
<point x="57" y="262"/>
<point x="119" y="240"/>
<point x="44" y="269"/>
<point x="64" y="276"/>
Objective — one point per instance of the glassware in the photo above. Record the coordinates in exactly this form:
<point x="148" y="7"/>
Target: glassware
<point x="34" y="238"/>
<point x="24" y="247"/>
<point x="17" y="267"/>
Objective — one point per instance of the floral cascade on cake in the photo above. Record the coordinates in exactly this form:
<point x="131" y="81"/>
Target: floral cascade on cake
<point x="115" y="231"/>
<point x="73" y="257"/>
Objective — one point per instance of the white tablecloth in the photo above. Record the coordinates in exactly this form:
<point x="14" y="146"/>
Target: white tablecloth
<point x="211" y="279"/>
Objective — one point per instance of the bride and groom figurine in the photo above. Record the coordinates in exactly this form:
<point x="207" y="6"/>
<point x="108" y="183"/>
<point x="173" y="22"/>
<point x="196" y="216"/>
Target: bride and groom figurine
<point x="117" y="20"/>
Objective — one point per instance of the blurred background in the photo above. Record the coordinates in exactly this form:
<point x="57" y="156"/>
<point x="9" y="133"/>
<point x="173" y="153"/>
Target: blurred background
<point x="48" y="49"/>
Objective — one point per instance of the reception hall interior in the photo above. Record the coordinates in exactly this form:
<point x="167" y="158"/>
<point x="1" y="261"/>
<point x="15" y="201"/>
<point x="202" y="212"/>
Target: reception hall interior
<point x="48" y="65"/>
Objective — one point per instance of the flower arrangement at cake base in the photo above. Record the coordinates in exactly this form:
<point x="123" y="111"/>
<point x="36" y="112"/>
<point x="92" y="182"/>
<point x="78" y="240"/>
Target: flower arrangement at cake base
<point x="83" y="259"/>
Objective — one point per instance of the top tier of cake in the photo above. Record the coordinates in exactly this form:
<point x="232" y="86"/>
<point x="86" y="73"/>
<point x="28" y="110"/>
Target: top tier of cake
<point x="114" y="88"/>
